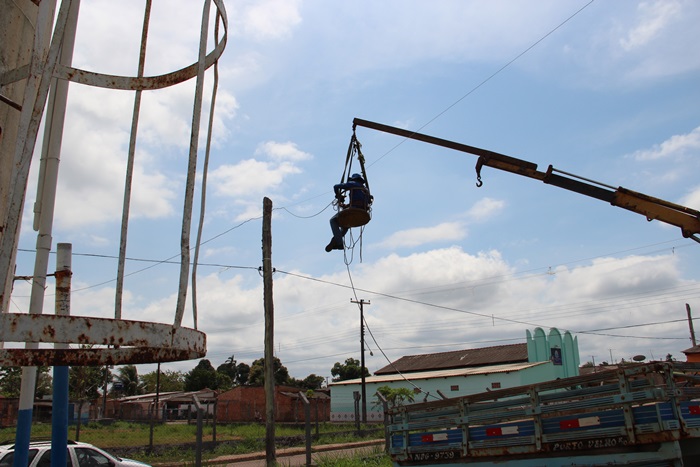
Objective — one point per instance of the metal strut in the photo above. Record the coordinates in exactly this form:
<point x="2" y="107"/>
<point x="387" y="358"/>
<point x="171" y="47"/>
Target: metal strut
<point x="687" y="219"/>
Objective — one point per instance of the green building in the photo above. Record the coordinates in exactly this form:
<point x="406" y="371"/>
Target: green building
<point x="543" y="357"/>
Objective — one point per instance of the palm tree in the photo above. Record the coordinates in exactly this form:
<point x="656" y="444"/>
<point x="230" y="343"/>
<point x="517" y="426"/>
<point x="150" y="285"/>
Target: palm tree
<point x="128" y="378"/>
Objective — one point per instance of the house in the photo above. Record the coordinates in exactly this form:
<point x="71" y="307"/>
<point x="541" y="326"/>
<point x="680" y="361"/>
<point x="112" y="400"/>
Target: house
<point x="462" y="372"/>
<point x="247" y="404"/>
<point x="692" y="355"/>
<point x="177" y="405"/>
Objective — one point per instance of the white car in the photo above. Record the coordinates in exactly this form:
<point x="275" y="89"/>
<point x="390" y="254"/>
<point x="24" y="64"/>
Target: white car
<point x="79" y="455"/>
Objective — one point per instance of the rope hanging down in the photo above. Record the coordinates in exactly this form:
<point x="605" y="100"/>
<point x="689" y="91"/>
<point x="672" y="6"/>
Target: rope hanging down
<point x="354" y="150"/>
<point x="353" y="200"/>
<point x="357" y="212"/>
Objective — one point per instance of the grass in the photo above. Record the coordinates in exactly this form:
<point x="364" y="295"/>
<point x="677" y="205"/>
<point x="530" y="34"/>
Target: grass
<point x="375" y="458"/>
<point x="174" y="441"/>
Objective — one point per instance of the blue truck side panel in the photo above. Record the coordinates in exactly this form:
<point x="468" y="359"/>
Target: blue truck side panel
<point x="641" y="414"/>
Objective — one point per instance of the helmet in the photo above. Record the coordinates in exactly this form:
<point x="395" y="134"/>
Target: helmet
<point x="356" y="178"/>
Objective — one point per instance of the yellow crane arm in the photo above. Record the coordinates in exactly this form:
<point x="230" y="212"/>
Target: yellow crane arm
<point x="687" y="219"/>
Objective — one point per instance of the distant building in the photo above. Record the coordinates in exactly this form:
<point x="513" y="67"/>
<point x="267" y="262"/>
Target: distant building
<point x="462" y="372"/>
<point x="176" y="405"/>
<point x="247" y="404"/>
<point x="692" y="355"/>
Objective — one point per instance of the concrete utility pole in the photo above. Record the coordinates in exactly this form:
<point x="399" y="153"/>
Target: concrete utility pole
<point x="269" y="372"/>
<point x="362" y="356"/>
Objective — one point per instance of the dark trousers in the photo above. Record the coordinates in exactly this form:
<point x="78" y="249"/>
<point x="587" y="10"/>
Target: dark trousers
<point x="338" y="231"/>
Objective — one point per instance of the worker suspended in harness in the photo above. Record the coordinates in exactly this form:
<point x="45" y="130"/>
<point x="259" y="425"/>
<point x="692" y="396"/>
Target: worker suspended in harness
<point x="354" y="213"/>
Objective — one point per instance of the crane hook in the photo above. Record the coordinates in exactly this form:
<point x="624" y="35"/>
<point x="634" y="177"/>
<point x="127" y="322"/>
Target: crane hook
<point x="479" y="164"/>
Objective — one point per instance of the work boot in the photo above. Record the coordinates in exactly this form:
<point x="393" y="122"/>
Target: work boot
<point x="335" y="244"/>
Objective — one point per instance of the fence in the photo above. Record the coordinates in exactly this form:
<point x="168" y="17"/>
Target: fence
<point x="196" y="433"/>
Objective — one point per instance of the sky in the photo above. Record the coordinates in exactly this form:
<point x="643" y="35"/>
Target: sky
<point x="609" y="91"/>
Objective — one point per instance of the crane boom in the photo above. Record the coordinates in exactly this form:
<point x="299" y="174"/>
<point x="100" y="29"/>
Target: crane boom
<point x="687" y="219"/>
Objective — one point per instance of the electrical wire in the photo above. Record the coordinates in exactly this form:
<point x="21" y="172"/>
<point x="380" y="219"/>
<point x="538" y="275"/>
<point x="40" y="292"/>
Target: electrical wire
<point x="673" y="292"/>
<point x="470" y="92"/>
<point x="386" y="357"/>
<point x="304" y="217"/>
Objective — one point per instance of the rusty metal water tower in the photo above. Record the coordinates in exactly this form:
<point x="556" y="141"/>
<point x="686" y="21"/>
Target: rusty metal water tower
<point x="36" y="49"/>
<point x="36" y="42"/>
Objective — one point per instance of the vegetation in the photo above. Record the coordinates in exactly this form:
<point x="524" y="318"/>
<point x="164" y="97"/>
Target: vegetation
<point x="175" y="442"/>
<point x="204" y="376"/>
<point x="257" y="372"/>
<point x="375" y="458"/>
<point x="169" y="380"/>
<point x="11" y="378"/>
<point x="396" y="396"/>
<point x="89" y="383"/>
<point x="238" y="372"/>
<point x="349" y="370"/>
<point x="127" y="380"/>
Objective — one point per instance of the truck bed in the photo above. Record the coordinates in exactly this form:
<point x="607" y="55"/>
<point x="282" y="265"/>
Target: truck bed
<point x="641" y="414"/>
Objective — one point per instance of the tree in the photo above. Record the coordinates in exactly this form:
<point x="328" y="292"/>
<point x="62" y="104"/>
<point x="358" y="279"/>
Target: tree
<point x="11" y="380"/>
<point x="242" y="374"/>
<point x="257" y="372"/>
<point x="396" y="396"/>
<point x="223" y="382"/>
<point x="238" y="372"/>
<point x="349" y="370"/>
<point x="312" y="382"/>
<point x="203" y="376"/>
<point x="127" y="379"/>
<point x="84" y="383"/>
<point x="170" y="381"/>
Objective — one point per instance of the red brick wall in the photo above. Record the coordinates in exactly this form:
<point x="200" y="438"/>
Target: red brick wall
<point x="247" y="404"/>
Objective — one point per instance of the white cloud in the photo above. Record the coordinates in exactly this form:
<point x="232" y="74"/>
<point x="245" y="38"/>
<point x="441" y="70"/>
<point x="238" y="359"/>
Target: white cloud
<point x="653" y="18"/>
<point x="676" y="145"/>
<point x="635" y="275"/>
<point x="657" y="45"/>
<point x="444" y="232"/>
<point x="269" y="19"/>
<point x="444" y="297"/>
<point x="93" y="165"/>
<point x="692" y="199"/>
<point x="250" y="177"/>
<point x="282" y="151"/>
<point x="485" y="208"/>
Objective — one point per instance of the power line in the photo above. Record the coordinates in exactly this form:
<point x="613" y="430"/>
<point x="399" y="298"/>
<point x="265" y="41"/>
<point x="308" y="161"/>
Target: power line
<point x="433" y="305"/>
<point x="490" y="77"/>
<point x="555" y="309"/>
<point x="464" y="96"/>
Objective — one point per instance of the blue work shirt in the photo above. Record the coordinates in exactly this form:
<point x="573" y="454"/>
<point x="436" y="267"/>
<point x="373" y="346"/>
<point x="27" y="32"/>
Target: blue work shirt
<point x="359" y="194"/>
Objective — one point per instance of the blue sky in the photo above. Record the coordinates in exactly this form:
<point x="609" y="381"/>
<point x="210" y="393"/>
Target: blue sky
<point x="606" y="90"/>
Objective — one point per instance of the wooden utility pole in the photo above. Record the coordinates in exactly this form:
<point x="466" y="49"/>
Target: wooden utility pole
<point x="269" y="372"/>
<point x="690" y="324"/>
<point x="362" y="357"/>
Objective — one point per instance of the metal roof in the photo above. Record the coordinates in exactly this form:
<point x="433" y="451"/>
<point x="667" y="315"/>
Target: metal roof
<point x="513" y="353"/>
<point x="174" y="396"/>
<point x="482" y="370"/>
